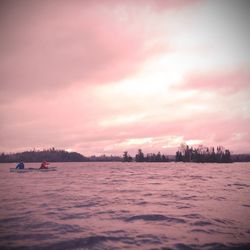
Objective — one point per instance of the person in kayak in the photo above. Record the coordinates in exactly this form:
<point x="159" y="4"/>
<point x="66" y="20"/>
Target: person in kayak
<point x="44" y="165"/>
<point x="20" y="165"/>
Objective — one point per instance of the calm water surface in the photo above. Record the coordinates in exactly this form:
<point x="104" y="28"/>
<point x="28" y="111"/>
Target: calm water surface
<point x="126" y="206"/>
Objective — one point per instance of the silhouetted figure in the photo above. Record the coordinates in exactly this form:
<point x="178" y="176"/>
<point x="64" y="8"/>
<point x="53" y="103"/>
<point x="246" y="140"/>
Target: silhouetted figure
<point x="20" y="165"/>
<point x="44" y="165"/>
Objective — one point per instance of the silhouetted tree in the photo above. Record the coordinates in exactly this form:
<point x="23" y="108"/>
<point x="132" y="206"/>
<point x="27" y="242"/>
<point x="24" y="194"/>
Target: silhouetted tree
<point x="203" y="154"/>
<point x="126" y="157"/>
<point x="139" y="157"/>
<point x="51" y="155"/>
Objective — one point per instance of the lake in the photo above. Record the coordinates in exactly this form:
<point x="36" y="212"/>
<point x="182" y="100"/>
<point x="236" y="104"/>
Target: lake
<point x="126" y="206"/>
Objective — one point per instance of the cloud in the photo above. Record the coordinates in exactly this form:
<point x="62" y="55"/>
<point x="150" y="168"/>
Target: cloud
<point x="167" y="136"/>
<point x="79" y="126"/>
<point x="224" y="82"/>
<point x="50" y="45"/>
<point x="51" y="49"/>
<point x="159" y="5"/>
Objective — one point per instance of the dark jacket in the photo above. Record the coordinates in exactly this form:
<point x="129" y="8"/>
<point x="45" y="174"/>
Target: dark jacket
<point x="20" y="165"/>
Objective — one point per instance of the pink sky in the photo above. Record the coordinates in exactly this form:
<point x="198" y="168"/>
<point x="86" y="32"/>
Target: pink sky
<point x="101" y="77"/>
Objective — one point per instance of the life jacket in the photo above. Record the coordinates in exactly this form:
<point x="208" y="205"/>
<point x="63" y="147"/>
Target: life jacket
<point x="44" y="165"/>
<point x="20" y="165"/>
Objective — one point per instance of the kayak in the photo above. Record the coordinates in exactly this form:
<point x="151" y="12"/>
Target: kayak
<point x="25" y="170"/>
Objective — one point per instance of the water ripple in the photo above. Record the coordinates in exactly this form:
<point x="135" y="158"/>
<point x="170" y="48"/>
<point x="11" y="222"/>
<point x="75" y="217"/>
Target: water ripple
<point x="155" y="217"/>
<point x="137" y="206"/>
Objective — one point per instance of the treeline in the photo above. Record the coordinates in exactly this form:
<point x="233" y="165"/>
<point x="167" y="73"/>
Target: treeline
<point x="103" y="158"/>
<point x="185" y="153"/>
<point x="140" y="157"/>
<point x="51" y="155"/>
<point x="54" y="155"/>
<point x="203" y="154"/>
<point x="240" y="157"/>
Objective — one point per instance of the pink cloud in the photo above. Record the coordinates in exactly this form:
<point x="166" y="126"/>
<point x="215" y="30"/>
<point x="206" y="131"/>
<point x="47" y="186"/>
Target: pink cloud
<point x="86" y="136"/>
<point x="210" y="131"/>
<point x="227" y="82"/>
<point x="49" y="45"/>
<point x="52" y="50"/>
<point x="159" y="5"/>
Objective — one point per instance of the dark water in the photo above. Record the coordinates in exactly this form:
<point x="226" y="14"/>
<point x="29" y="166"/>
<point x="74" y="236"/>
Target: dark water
<point x="126" y="206"/>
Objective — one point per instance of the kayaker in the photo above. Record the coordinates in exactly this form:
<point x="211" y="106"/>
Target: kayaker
<point x="20" y="165"/>
<point x="44" y="165"/>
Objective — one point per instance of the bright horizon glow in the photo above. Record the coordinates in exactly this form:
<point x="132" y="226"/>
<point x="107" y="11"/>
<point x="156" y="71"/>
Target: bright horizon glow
<point x="103" y="77"/>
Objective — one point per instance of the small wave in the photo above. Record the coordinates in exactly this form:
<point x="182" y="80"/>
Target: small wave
<point x="200" y="231"/>
<point x="201" y="223"/>
<point x="91" y="242"/>
<point x="221" y="221"/>
<point x="89" y="203"/>
<point x="112" y="232"/>
<point x="210" y="246"/>
<point x="118" y="181"/>
<point x="10" y="220"/>
<point x="23" y="236"/>
<point x="155" y="217"/>
<point x="190" y="197"/>
<point x="149" y="239"/>
<point x="44" y="205"/>
<point x="241" y="184"/>
<point x="183" y="206"/>
<point x="141" y="203"/>
<point x="220" y="198"/>
<point x="106" y="212"/>
<point x="74" y="216"/>
<point x="193" y="216"/>
<point x="245" y="205"/>
<point x="56" y="227"/>
<point x="128" y="191"/>
<point x="197" y="177"/>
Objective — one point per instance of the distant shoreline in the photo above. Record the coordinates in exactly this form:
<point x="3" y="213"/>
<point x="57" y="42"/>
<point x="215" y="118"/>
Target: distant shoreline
<point x="54" y="155"/>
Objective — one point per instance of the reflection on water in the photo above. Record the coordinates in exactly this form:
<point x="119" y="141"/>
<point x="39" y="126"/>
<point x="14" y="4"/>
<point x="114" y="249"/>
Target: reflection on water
<point x="126" y="206"/>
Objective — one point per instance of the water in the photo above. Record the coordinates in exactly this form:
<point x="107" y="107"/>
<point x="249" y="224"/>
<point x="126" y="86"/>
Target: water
<point x="126" y="206"/>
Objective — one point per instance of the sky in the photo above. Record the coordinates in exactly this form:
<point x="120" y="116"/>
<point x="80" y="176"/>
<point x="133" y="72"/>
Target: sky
<point x="107" y="76"/>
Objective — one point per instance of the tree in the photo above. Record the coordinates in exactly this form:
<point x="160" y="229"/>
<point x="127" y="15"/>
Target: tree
<point x="126" y="157"/>
<point x="203" y="154"/>
<point x="139" y="157"/>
